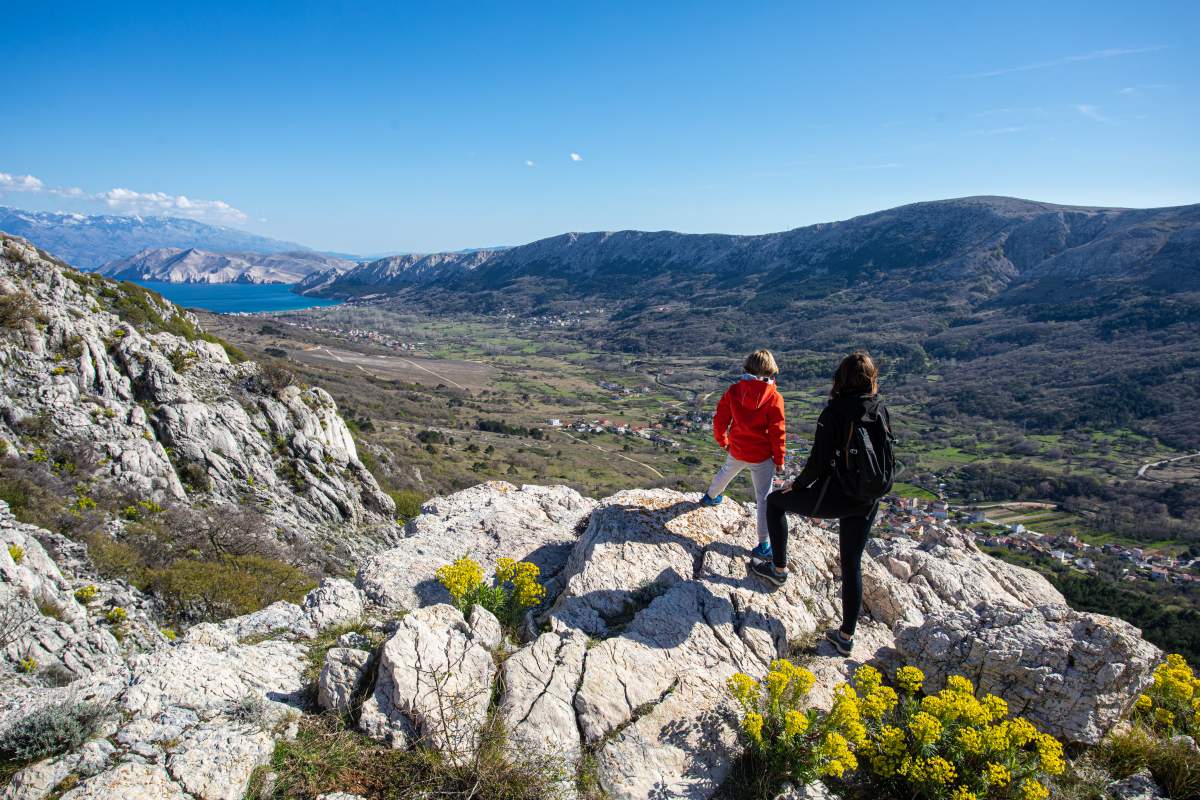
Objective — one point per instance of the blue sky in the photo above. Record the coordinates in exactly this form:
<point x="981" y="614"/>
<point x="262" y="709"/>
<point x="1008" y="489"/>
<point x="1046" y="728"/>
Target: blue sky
<point x="400" y="126"/>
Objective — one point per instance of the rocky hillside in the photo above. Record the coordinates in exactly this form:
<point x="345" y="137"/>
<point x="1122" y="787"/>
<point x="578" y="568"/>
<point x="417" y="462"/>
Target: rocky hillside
<point x="112" y="380"/>
<point x="176" y="265"/>
<point x="91" y="240"/>
<point x="393" y="273"/>
<point x="619" y="676"/>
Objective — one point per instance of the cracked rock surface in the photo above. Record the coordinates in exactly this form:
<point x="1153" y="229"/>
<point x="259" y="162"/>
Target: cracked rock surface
<point x="654" y="609"/>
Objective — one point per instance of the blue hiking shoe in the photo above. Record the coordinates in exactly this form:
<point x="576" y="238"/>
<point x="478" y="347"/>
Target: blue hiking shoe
<point x="761" y="553"/>
<point x="709" y="502"/>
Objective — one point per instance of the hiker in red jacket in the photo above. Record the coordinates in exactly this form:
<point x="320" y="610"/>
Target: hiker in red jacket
<point x="749" y="425"/>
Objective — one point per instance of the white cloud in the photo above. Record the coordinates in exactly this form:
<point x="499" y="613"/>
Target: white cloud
<point x="529" y="163"/>
<point x="1111" y="52"/>
<point x="20" y="183"/>
<point x="130" y="201"/>
<point x="158" y="203"/>
<point x="576" y="157"/>
<point x="1091" y="112"/>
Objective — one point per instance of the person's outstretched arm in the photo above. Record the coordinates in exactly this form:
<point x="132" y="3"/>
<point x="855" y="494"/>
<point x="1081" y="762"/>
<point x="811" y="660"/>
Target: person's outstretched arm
<point x="721" y="421"/>
<point x="822" y="451"/>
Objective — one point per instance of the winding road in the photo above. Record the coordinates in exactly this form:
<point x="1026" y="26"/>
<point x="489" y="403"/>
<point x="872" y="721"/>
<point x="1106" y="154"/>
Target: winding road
<point x="1141" y="473"/>
<point x="612" y="453"/>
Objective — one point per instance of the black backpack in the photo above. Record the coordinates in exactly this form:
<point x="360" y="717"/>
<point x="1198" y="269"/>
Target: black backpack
<point x="866" y="466"/>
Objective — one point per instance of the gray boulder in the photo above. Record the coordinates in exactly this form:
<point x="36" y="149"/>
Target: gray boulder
<point x="433" y="685"/>
<point x="487" y="522"/>
<point x="343" y="678"/>
<point x="1074" y="675"/>
<point x="1138" y="786"/>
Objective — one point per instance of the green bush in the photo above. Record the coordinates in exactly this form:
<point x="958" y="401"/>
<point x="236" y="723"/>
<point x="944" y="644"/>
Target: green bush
<point x="325" y="757"/>
<point x="16" y="553"/>
<point x="50" y="731"/>
<point x="17" y="307"/>
<point x="408" y="503"/>
<point x="226" y="587"/>
<point x="1174" y="764"/>
<point x="145" y="310"/>
<point x="116" y="615"/>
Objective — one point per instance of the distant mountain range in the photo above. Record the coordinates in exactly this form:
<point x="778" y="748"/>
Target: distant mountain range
<point x="1048" y="316"/>
<point x="89" y="241"/>
<point x="175" y="265"/>
<point x="973" y="246"/>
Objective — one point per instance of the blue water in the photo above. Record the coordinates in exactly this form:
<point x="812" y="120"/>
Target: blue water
<point x="231" y="297"/>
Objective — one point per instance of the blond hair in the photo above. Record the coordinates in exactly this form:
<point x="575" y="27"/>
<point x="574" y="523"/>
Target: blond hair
<point x="761" y="363"/>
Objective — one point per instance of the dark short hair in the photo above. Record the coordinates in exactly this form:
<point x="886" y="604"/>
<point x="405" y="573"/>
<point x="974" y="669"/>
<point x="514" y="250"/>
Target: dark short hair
<point x="855" y="375"/>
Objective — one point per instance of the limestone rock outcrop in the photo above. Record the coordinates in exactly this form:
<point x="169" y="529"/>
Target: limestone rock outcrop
<point x="650" y="609"/>
<point x="191" y="719"/>
<point x="1074" y="675"/>
<point x="130" y="382"/>
<point x="490" y="521"/>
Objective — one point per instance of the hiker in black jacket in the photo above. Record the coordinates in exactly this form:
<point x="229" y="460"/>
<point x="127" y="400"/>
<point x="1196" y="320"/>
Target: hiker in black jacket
<point x="816" y="491"/>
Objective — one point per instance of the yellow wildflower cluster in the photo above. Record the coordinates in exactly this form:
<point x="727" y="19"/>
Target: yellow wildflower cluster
<point x="461" y="578"/>
<point x="523" y="576"/>
<point x="515" y="588"/>
<point x="910" y="679"/>
<point x="790" y="739"/>
<point x="1172" y="704"/>
<point x="951" y="745"/>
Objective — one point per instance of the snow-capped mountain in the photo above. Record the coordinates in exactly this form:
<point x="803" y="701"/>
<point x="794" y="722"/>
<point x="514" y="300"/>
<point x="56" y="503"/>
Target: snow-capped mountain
<point x="89" y="241"/>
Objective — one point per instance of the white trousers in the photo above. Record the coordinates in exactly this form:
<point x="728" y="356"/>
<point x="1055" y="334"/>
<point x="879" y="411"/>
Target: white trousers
<point x="762" y="473"/>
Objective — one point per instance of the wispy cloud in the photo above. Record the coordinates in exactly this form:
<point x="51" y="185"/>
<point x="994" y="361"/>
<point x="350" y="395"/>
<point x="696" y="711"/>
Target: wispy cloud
<point x="576" y="157"/>
<point x="1145" y="87"/>
<point x="529" y="163"/>
<point x="1095" y="55"/>
<point x="1000" y="112"/>
<point x="130" y="201"/>
<point x="1000" y="131"/>
<point x="888" y="165"/>
<point x="1091" y="112"/>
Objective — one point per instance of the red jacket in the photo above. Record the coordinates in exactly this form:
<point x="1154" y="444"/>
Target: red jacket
<point x="749" y="422"/>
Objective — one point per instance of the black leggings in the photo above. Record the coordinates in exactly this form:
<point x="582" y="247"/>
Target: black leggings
<point x="854" y="521"/>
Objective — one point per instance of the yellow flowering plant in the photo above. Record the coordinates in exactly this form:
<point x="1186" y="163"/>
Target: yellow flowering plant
<point x="1171" y="705"/>
<point x="786" y="739"/>
<point x="949" y="745"/>
<point x="514" y="588"/>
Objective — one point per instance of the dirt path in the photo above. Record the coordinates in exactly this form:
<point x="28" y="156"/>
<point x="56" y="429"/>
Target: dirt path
<point x="613" y="453"/>
<point x="1141" y="473"/>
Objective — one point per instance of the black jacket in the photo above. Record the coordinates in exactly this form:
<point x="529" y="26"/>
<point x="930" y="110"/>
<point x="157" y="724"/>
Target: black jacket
<point x="833" y="428"/>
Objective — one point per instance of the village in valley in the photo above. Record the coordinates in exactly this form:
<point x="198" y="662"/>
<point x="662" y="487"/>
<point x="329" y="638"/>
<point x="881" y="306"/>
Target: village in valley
<point x="923" y="520"/>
